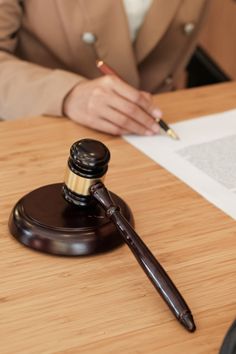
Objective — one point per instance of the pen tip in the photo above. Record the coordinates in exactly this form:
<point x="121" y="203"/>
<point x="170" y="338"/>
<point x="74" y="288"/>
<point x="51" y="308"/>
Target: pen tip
<point x="188" y="322"/>
<point x="172" y="134"/>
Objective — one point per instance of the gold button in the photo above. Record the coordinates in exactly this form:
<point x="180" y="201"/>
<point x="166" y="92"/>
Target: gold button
<point x="169" y="80"/>
<point x="189" y="28"/>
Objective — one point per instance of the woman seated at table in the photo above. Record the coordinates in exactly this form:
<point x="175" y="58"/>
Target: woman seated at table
<point x="48" y="52"/>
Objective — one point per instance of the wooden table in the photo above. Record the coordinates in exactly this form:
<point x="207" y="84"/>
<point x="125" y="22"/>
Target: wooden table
<point x="105" y="304"/>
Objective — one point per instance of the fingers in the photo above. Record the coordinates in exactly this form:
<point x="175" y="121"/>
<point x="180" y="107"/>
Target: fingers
<point x="104" y="125"/>
<point x="153" y="110"/>
<point x="131" y="116"/>
<point x="139" y="98"/>
<point x="121" y="120"/>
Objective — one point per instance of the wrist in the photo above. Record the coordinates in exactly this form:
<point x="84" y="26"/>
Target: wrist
<point x="66" y="104"/>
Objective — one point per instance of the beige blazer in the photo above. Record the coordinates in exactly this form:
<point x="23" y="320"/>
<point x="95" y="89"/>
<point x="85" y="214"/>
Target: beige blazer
<point x="48" y="46"/>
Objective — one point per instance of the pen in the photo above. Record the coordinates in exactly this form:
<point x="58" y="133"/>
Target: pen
<point x="107" y="70"/>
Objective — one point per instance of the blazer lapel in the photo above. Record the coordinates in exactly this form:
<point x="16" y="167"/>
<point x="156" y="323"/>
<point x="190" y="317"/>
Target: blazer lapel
<point x="107" y="20"/>
<point x="155" y="24"/>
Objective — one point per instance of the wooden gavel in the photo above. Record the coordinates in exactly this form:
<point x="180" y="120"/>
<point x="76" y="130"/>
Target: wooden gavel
<point x="84" y="177"/>
<point x="81" y="217"/>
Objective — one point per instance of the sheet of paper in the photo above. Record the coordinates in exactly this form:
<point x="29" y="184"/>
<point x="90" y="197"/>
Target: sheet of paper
<point x="204" y="157"/>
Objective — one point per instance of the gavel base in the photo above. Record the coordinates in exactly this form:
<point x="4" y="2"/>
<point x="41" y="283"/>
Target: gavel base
<point x="44" y="221"/>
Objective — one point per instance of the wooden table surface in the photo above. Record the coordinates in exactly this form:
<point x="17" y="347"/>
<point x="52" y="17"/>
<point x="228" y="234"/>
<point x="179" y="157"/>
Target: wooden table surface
<point x="105" y="304"/>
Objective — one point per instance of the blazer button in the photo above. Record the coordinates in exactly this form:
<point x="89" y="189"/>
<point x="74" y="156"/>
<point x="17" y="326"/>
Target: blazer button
<point x="168" y="81"/>
<point x="88" y="38"/>
<point x="189" y="28"/>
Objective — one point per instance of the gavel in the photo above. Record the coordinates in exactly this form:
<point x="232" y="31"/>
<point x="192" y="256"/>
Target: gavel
<point x="47" y="222"/>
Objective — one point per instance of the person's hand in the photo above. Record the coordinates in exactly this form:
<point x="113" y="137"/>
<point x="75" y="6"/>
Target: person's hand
<point x="110" y="105"/>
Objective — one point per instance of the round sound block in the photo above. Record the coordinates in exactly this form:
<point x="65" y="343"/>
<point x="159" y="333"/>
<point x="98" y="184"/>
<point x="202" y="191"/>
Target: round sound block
<point x="44" y="221"/>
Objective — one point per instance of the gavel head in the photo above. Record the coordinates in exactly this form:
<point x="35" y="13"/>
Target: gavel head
<point x="87" y="164"/>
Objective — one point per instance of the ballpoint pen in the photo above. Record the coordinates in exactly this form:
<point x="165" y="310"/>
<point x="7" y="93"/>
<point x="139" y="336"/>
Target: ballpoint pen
<point x="107" y="70"/>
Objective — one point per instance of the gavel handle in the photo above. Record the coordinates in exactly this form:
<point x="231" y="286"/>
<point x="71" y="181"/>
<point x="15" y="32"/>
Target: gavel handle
<point x="146" y="259"/>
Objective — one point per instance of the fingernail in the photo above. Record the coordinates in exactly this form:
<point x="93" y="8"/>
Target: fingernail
<point x="157" y="113"/>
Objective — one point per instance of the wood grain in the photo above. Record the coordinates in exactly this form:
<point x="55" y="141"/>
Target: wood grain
<point x="105" y="304"/>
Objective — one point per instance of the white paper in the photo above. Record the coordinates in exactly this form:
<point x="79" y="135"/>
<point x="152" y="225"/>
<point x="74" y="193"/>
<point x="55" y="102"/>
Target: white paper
<point x="204" y="157"/>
